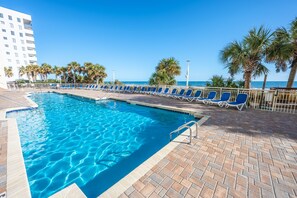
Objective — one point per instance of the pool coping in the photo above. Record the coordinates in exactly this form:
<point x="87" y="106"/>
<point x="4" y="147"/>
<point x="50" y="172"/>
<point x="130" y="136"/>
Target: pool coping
<point x="17" y="181"/>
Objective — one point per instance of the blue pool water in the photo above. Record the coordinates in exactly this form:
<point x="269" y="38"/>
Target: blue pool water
<point x="91" y="143"/>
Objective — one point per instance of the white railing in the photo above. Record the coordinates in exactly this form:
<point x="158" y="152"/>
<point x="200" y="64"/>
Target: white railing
<point x="269" y="100"/>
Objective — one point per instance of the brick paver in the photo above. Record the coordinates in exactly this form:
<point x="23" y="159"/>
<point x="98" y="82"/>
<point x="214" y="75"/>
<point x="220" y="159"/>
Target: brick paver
<point x="238" y="154"/>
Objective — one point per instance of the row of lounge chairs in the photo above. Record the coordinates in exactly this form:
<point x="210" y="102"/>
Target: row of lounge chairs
<point x="183" y="94"/>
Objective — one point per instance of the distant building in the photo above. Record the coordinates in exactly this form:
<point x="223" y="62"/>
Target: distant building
<point x="17" y="46"/>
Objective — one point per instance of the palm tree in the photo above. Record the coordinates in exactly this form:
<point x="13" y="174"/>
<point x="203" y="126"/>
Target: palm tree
<point x="8" y="72"/>
<point x="283" y="51"/>
<point x="34" y="71"/>
<point x="45" y="69"/>
<point x="170" y="66"/>
<point x="24" y="71"/>
<point x="73" y="68"/>
<point x="247" y="56"/>
<point x="57" y="71"/>
<point x="64" y="73"/>
<point x="95" y="72"/>
<point x="165" y="72"/>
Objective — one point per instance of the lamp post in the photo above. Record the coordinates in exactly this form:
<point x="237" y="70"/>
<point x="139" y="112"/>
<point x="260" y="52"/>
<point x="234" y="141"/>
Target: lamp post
<point x="188" y="73"/>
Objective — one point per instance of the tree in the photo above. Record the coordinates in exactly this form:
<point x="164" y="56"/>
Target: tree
<point x="57" y="71"/>
<point x="45" y="69"/>
<point x="220" y="81"/>
<point x="165" y="72"/>
<point x="247" y="56"/>
<point x="283" y="51"/>
<point x="95" y="72"/>
<point x="8" y="72"/>
<point x="73" y="68"/>
<point x="24" y="71"/>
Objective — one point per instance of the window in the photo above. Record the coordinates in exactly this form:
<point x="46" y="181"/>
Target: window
<point x="9" y="60"/>
<point x="1" y="15"/>
<point x="17" y="61"/>
<point x="9" y="17"/>
<point x="2" y="22"/>
<point x="3" y="30"/>
<point x="21" y="34"/>
<point x="15" y="47"/>
<point x="12" y="33"/>
<point x="6" y="45"/>
<point x="23" y="48"/>
<point x="25" y="62"/>
<point x="16" y="55"/>
<point x="11" y="25"/>
<point x="22" y="41"/>
<point x="8" y="53"/>
<point x="20" y="27"/>
<point x="4" y="37"/>
<point x="24" y="55"/>
<point x="13" y="40"/>
<point x="19" y="20"/>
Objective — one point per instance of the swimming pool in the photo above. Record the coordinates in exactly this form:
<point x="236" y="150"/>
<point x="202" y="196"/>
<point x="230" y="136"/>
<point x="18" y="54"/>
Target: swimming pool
<point x="91" y="143"/>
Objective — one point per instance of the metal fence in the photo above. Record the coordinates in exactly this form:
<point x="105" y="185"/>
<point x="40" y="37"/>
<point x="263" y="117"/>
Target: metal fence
<point x="269" y="100"/>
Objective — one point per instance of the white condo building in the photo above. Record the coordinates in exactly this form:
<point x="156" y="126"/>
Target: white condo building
<point x="17" y="46"/>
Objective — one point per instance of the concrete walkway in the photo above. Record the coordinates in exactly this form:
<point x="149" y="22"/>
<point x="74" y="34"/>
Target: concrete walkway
<point x="238" y="154"/>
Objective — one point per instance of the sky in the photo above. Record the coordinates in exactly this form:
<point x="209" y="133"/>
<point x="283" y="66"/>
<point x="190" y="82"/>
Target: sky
<point x="130" y="37"/>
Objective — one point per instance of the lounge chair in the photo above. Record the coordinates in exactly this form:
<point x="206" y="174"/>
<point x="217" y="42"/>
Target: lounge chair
<point x="132" y="90"/>
<point x="158" y="91"/>
<point x="240" y="101"/>
<point x="188" y="93"/>
<point x="115" y="89"/>
<point x="153" y="91"/>
<point x="181" y="93"/>
<point x="141" y="90"/>
<point x="192" y="98"/>
<point x="211" y="96"/>
<point x="173" y="92"/>
<point x="164" y="92"/>
<point x="221" y="102"/>
<point x="148" y="90"/>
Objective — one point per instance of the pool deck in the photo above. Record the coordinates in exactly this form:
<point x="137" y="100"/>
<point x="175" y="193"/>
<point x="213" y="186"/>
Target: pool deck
<point x="238" y="154"/>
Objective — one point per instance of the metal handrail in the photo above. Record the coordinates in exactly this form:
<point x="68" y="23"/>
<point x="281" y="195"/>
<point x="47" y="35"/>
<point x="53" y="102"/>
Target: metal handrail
<point x="178" y="130"/>
<point x="190" y="122"/>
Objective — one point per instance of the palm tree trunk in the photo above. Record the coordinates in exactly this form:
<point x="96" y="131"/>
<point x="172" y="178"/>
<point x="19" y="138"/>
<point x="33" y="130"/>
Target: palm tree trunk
<point x="97" y="81"/>
<point x="292" y="73"/>
<point x="247" y="79"/>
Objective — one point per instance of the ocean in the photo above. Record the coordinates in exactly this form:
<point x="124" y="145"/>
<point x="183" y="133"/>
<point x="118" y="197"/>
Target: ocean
<point x="255" y="84"/>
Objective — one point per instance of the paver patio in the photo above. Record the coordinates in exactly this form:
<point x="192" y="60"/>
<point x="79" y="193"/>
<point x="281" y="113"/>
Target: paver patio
<point x="238" y="154"/>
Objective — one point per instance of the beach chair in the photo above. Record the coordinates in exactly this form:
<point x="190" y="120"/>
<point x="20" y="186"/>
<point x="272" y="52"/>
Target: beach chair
<point x="153" y="91"/>
<point x="158" y="91"/>
<point x="181" y="93"/>
<point x="211" y="96"/>
<point x="240" y="101"/>
<point x="115" y="89"/>
<point x="188" y="93"/>
<point x="133" y="90"/>
<point x="164" y="92"/>
<point x="222" y="101"/>
<point x="147" y="91"/>
<point x="173" y="92"/>
<point x="119" y="89"/>
<point x="140" y="90"/>
<point x="192" y="98"/>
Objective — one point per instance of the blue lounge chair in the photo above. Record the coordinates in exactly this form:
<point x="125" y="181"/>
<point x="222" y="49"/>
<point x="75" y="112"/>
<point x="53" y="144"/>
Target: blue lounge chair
<point x="173" y="92"/>
<point x="240" y="101"/>
<point x="142" y="89"/>
<point x="211" y="96"/>
<point x="181" y="93"/>
<point x="148" y="90"/>
<point x="158" y="91"/>
<point x="192" y="98"/>
<point x="188" y="93"/>
<point x="127" y="89"/>
<point x="164" y="92"/>
<point x="221" y="102"/>
<point x="132" y="90"/>
<point x="115" y="89"/>
<point x="153" y="91"/>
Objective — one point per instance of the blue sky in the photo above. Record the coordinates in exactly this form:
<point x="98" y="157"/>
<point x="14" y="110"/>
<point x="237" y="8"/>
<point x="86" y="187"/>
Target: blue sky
<point x="131" y="36"/>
